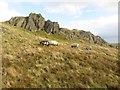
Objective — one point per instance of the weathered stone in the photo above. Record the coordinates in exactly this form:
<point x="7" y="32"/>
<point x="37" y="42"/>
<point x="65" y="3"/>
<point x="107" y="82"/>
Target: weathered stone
<point x="55" y="27"/>
<point x="92" y="38"/>
<point x="51" y="27"/>
<point x="35" y="22"/>
<point x="48" y="26"/>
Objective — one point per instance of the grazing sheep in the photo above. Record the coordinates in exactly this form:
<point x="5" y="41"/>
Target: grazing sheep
<point x="75" y="45"/>
<point x="44" y="42"/>
<point x="88" y="48"/>
<point x="54" y="43"/>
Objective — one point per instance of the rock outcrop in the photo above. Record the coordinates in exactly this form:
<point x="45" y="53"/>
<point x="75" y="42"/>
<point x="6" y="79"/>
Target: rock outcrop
<point x="80" y="34"/>
<point x="51" y="27"/>
<point x="36" y="22"/>
<point x="33" y="22"/>
<point x="92" y="38"/>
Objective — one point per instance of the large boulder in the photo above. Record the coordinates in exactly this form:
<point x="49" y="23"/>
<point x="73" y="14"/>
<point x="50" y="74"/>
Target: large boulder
<point x="55" y="27"/>
<point x="48" y="26"/>
<point x="51" y="27"/>
<point x="17" y="21"/>
<point x="35" y="22"/>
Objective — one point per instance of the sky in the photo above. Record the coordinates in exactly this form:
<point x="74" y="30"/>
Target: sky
<point x="97" y="16"/>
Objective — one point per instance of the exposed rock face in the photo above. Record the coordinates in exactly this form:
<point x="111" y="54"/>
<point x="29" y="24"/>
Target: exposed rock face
<point x="78" y="34"/>
<point x="17" y="21"/>
<point x="92" y="38"/>
<point x="48" y="26"/>
<point x="35" y="22"/>
<point x="55" y="27"/>
<point x="51" y="27"/>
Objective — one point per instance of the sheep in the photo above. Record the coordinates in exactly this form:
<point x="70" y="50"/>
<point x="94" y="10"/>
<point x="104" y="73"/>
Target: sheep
<point x="88" y="48"/>
<point x="47" y="43"/>
<point x="54" y="43"/>
<point x="44" y="42"/>
<point x="75" y="45"/>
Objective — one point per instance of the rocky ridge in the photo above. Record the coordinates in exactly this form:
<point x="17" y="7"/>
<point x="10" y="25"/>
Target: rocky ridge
<point x="36" y="22"/>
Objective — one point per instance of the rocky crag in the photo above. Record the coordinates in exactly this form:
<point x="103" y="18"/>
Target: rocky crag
<point x="36" y="22"/>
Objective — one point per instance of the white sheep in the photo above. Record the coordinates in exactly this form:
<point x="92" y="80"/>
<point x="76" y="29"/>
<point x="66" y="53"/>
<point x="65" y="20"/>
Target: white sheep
<point x="52" y="42"/>
<point x="88" y="48"/>
<point x="75" y="45"/>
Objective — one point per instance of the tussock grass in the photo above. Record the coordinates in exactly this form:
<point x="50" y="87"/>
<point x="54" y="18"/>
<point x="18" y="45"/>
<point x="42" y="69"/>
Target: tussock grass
<point x="31" y="65"/>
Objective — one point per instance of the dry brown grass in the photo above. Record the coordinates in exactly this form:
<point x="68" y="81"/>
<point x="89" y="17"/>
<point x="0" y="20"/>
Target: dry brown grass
<point x="55" y="66"/>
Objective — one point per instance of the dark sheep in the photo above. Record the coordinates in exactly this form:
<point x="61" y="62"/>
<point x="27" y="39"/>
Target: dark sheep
<point x="45" y="42"/>
<point x="74" y="45"/>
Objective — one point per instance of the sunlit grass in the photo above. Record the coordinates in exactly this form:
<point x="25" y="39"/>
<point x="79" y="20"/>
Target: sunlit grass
<point x="33" y="65"/>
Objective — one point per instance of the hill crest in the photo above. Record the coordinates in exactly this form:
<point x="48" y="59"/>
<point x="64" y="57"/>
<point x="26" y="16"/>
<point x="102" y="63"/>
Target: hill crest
<point x="36" y="22"/>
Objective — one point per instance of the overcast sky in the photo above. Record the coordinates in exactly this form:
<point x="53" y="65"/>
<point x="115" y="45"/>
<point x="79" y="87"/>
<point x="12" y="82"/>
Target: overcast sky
<point x="98" y="17"/>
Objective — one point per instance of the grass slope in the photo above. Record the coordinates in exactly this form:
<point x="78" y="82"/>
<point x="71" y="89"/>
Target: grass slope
<point x="27" y="64"/>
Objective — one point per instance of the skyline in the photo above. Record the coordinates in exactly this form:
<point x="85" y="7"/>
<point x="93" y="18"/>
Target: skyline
<point x="100" y="18"/>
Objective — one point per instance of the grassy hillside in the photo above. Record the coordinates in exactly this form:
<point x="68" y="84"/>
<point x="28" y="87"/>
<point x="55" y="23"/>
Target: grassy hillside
<point x="27" y="64"/>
